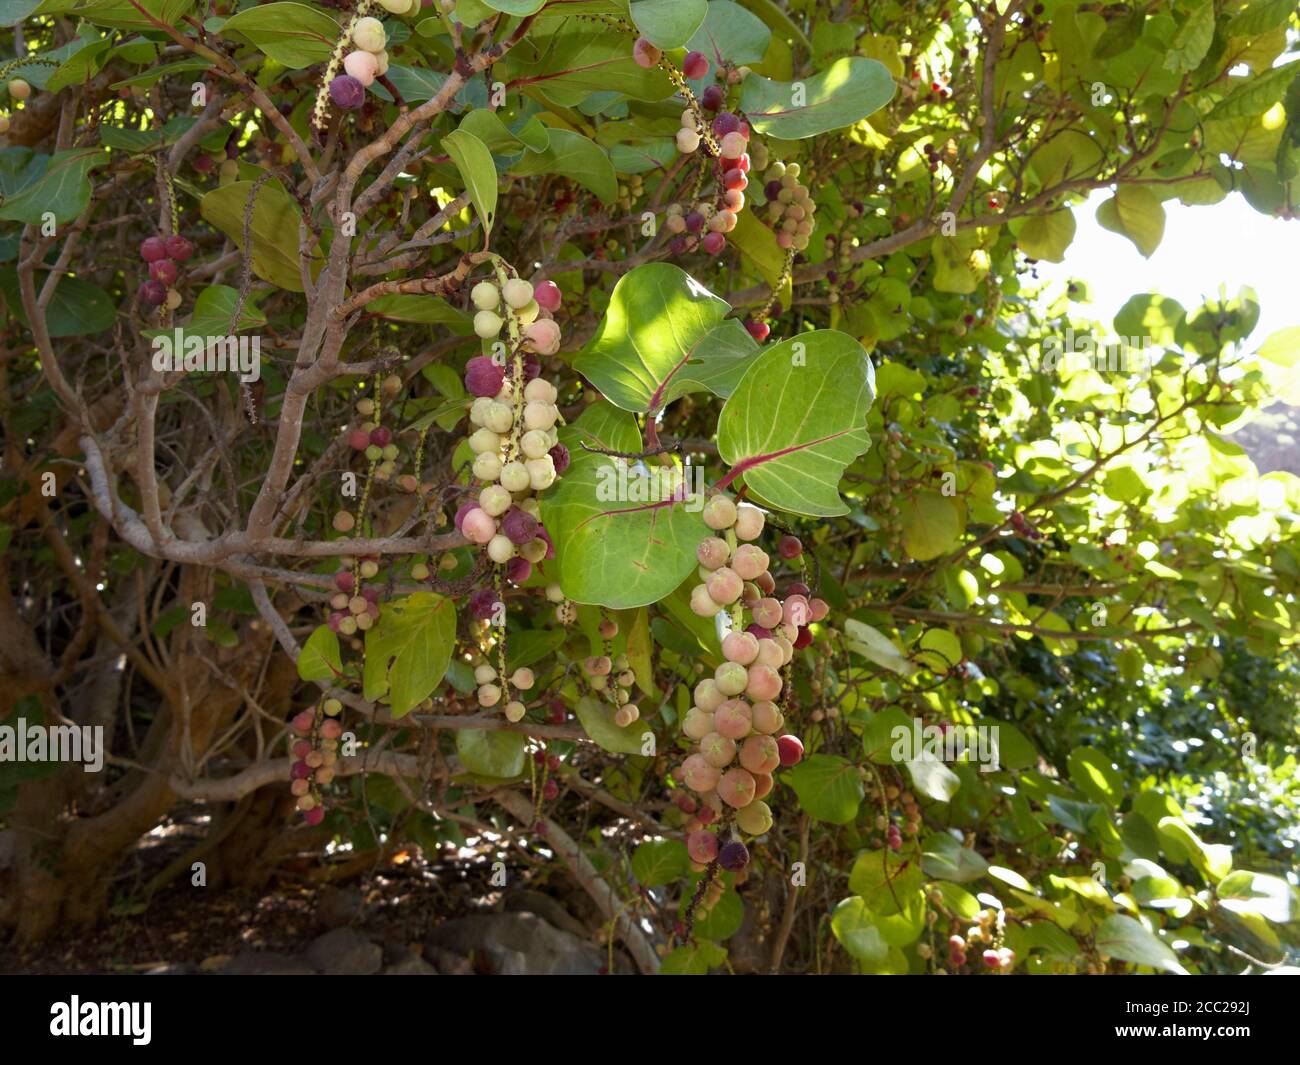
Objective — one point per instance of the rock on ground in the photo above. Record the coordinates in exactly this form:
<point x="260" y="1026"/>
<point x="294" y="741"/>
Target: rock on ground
<point x="518" y="944"/>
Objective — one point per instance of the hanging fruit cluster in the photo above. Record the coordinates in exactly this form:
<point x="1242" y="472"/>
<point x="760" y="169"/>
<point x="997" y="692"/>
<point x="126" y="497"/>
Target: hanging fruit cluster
<point x="315" y="754"/>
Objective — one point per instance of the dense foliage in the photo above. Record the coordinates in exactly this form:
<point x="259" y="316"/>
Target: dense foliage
<point x="657" y="453"/>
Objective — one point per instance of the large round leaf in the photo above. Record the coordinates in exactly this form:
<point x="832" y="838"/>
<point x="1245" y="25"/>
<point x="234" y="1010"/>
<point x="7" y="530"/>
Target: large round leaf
<point x="664" y="335"/>
<point x="274" y="230"/>
<point x="408" y="649"/>
<point x="797" y="418"/>
<point x="294" y="35"/>
<point x="829" y="788"/>
<point x="668" y="23"/>
<point x="617" y="552"/>
<point x="846" y="92"/>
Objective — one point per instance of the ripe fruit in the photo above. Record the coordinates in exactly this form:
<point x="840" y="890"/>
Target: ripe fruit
<point x="548" y="295"/>
<point x="733" y="857"/>
<point x="695" y="65"/>
<point x="736" y="788"/>
<point x="760" y="754"/>
<point x="179" y="248"/>
<point x="702" y="846"/>
<point x="346" y="92"/>
<point x="789" y="547"/>
<point x="758" y="330"/>
<point x="791" y="750"/>
<point x="153" y="249"/>
<point x="153" y="293"/>
<point x="361" y="65"/>
<point x="713" y="243"/>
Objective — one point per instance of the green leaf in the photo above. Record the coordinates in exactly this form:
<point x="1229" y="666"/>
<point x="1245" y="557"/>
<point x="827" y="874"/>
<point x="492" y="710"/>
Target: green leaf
<point x="731" y="33"/>
<point x="1259" y="17"/>
<point x="213" y="309"/>
<point x="662" y="337"/>
<point x="1135" y="212"/>
<point x="422" y="310"/>
<point x="874" y="645"/>
<point x="515" y="7"/>
<point x="82" y="64"/>
<point x="487" y="126"/>
<point x="477" y="171"/>
<point x="294" y="35"/>
<point x="1124" y="938"/>
<point x="1257" y="94"/>
<point x="1121" y="34"/>
<point x="1192" y="40"/>
<point x="1268" y="896"/>
<point x="829" y="788"/>
<point x="660" y="861"/>
<point x="884" y="881"/>
<point x="491" y="753"/>
<point x="578" y="59"/>
<point x="879" y="731"/>
<point x="1095" y="775"/>
<point x="63" y="190"/>
<point x="934" y="779"/>
<point x="846" y="92"/>
<point x="668" y="23"/>
<point x="597" y="719"/>
<point x="618" y="553"/>
<point x="77" y="307"/>
<point x="1046" y="236"/>
<point x="797" y="418"/>
<point x="408" y="649"/>
<point x="274" y="229"/>
<point x="573" y="156"/>
<point x="601" y="425"/>
<point x="758" y="244"/>
<point x="1283" y="347"/>
<point x="1212" y="860"/>
<point x="857" y="932"/>
<point x="125" y="15"/>
<point x="932" y="525"/>
<point x="319" y="658"/>
<point x="694" y="959"/>
<point x="943" y="857"/>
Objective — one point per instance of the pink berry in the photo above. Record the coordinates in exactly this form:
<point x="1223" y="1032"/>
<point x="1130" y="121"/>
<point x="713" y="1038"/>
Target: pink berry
<point x="790" y="749"/>
<point x="478" y="526"/>
<point x="518" y="570"/>
<point x="519" y="526"/>
<point x="483" y="377"/>
<point x="344" y="581"/>
<point x="300" y="771"/>
<point x="991" y="959"/>
<point x="645" y="53"/>
<point x="543" y="335"/>
<point x="152" y="249"/>
<point x="163" y="270"/>
<point x="301" y="748"/>
<point x="695" y="65"/>
<point x="702" y="846"/>
<point x="548" y="295"/>
<point x="713" y="243"/>
<point x="315" y="815"/>
<point x="461" y="511"/>
<point x="734" y="179"/>
<point x="358" y="440"/>
<point x="154" y="293"/>
<point x="712" y="97"/>
<point x="331" y="729"/>
<point x="758" y="330"/>
<point x="789" y="547"/>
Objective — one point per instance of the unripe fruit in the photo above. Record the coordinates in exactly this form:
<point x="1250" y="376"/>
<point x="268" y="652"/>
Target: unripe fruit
<point x="712" y="553"/>
<point x="487" y="465"/>
<point x="702" y="846"/>
<point x="368" y="33"/>
<point x="645" y="53"/>
<point x="697" y="723"/>
<point x="733" y="719"/>
<point x="487" y="324"/>
<point x="343" y="522"/>
<point x="755" y="819"/>
<point x="740" y="647"/>
<point x="770" y="654"/>
<point x="498" y="417"/>
<point x="19" y="89"/>
<point x="541" y="475"/>
<point x="481" y="440"/>
<point x="361" y="65"/>
<point x="749" y="523"/>
<point x="514" y="477"/>
<point x="707" y="695"/>
<point x="500" y="550"/>
<point x="702" y="603"/>
<point x="488" y="695"/>
<point x="736" y="788"/>
<point x="495" y="500"/>
<point x="766" y="717"/>
<point x="731" y="678"/>
<point x="543" y="336"/>
<point x="713" y="243"/>
<point x="345" y="92"/>
<point x="749" y="560"/>
<point x="478" y="526"/>
<point x="818" y="609"/>
<point x="485" y="296"/>
<point x="517" y="292"/>
<point x="764" y="683"/>
<point x="725" y="586"/>
<point x="719" y="513"/>
<point x="794" y="611"/>
<point x="484" y="674"/>
<point x="791" y="750"/>
<point x="688" y="141"/>
<point x="698" y="775"/>
<point x="767" y="612"/>
<point x="515" y="711"/>
<point x="760" y="754"/>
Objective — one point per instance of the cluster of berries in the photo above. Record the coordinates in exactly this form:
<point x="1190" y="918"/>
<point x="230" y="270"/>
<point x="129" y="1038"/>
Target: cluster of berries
<point x="368" y="60"/>
<point x="600" y="670"/>
<point x="315" y="753"/>
<point x="491" y="693"/>
<point x="163" y="254"/>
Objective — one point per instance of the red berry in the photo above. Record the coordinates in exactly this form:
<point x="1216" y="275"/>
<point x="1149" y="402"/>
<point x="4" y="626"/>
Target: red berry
<point x="712" y="97"/>
<point x="344" y="581"/>
<point x="695" y="65"/>
<point x="381" y="436"/>
<point x="550" y="790"/>
<point x="152" y="249"/>
<point x="694" y="222"/>
<point x="548" y="296"/>
<point x="734" y="179"/>
<point x="991" y="959"/>
<point x="789" y="547"/>
<point x="758" y="330"/>
<point x="713" y="243"/>
<point x="154" y="293"/>
<point x="725" y="123"/>
<point x="204" y="163"/>
<point x="179" y="248"/>
<point x="163" y="270"/>
<point x="358" y="440"/>
<point x="518" y="570"/>
<point x="560" y="457"/>
<point x="804" y="638"/>
<point x="315" y="815"/>
<point x="790" y="749"/>
<point x="798" y="588"/>
<point x="483" y="377"/>
<point x="743" y="162"/>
